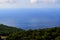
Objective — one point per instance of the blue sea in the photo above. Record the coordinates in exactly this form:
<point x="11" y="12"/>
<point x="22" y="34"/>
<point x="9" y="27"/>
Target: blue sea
<point x="33" y="18"/>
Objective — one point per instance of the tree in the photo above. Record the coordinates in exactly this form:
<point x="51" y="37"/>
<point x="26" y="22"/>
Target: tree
<point x="57" y="38"/>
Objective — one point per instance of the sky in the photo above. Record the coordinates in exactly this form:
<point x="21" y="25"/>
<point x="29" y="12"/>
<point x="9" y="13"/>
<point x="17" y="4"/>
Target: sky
<point x="29" y="3"/>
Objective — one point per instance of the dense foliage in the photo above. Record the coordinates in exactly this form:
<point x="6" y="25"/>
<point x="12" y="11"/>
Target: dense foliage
<point x="38" y="34"/>
<point x="6" y="30"/>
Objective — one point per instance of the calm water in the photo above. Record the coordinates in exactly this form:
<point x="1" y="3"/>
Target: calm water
<point x="30" y="18"/>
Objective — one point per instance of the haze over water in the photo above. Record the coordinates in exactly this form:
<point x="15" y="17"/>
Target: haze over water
<point x="30" y="18"/>
<point x="30" y="14"/>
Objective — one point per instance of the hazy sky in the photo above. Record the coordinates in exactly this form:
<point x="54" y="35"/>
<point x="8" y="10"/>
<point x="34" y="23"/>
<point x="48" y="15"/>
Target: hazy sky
<point x="29" y="3"/>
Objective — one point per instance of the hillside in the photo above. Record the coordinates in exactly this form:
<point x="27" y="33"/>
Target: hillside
<point x="13" y="33"/>
<point x="6" y="30"/>
<point x="39" y="34"/>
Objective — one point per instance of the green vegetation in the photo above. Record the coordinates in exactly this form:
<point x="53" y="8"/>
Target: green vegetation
<point x="13" y="33"/>
<point x="6" y="30"/>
